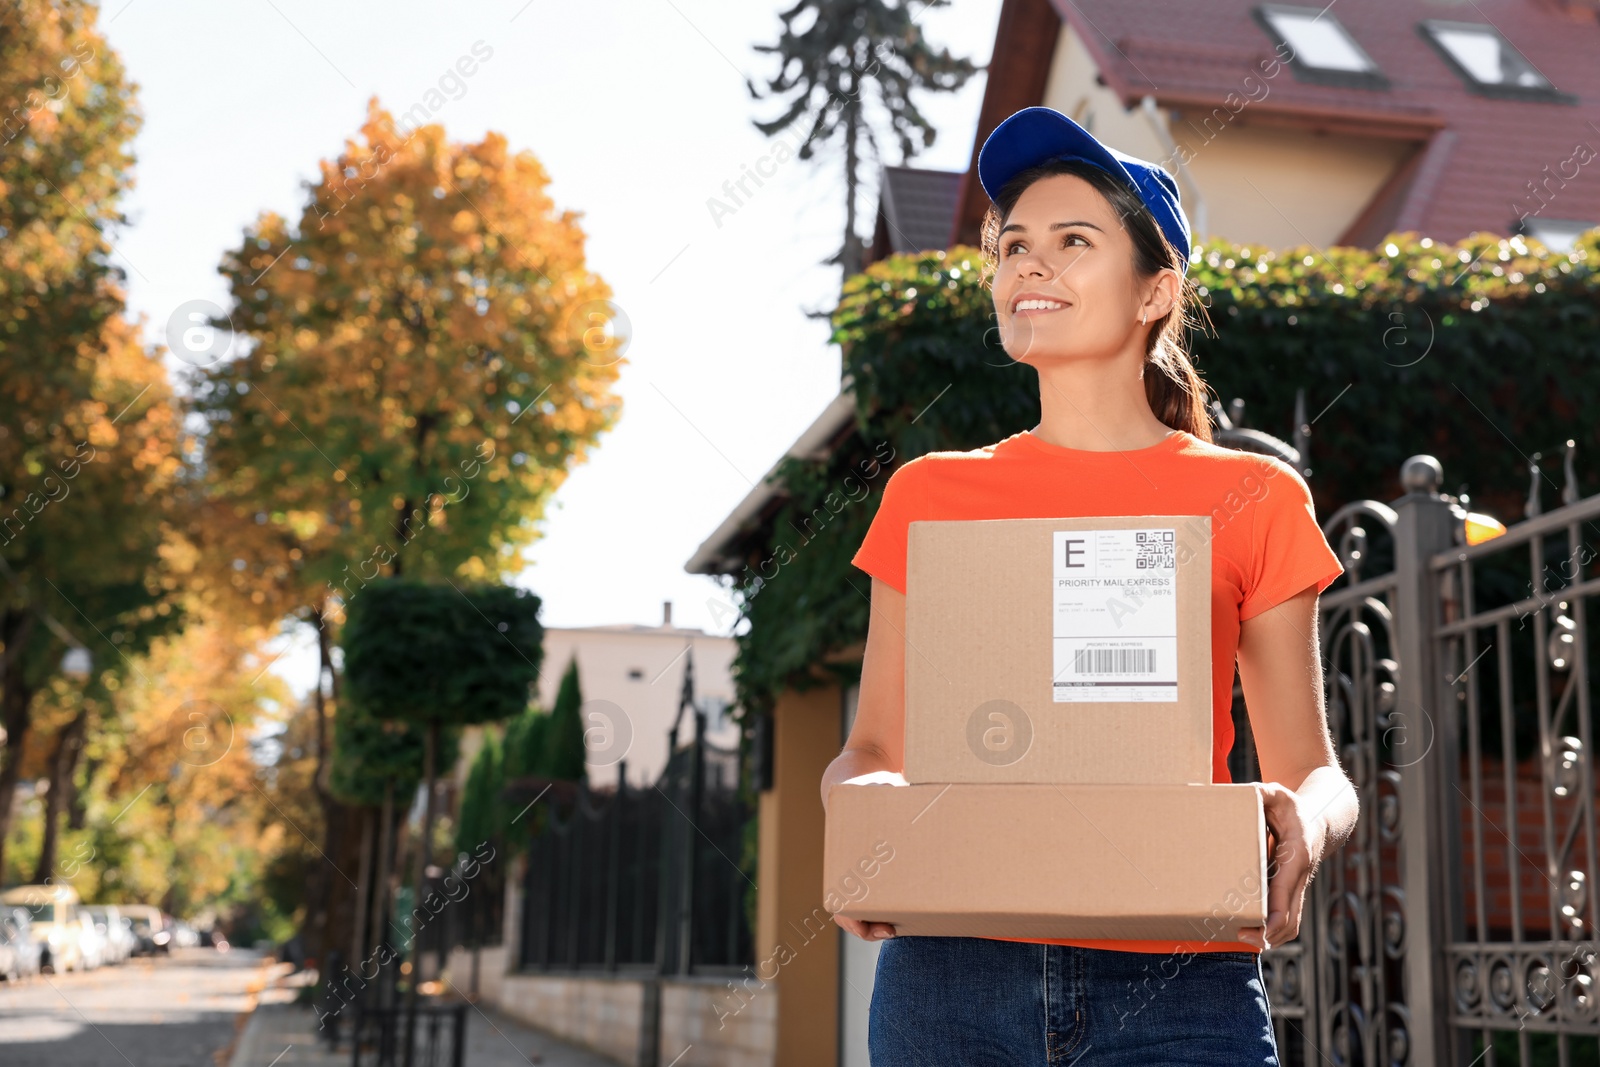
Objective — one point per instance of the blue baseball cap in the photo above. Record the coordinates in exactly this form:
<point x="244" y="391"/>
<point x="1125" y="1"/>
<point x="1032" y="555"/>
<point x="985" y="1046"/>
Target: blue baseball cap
<point x="1038" y="134"/>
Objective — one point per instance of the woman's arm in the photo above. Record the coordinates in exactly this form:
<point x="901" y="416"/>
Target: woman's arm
<point x="877" y="737"/>
<point x="876" y="747"/>
<point x="1311" y="807"/>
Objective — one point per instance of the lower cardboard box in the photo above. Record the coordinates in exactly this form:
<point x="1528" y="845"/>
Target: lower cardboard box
<point x="1141" y="862"/>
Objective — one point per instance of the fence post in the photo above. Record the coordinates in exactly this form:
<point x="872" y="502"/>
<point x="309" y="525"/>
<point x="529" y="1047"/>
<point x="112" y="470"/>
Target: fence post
<point x="650" y="1023"/>
<point x="1425" y="750"/>
<point x="512" y="893"/>
<point x="691" y="845"/>
<point x="614" y="822"/>
<point x="666" y="878"/>
<point x="577" y="831"/>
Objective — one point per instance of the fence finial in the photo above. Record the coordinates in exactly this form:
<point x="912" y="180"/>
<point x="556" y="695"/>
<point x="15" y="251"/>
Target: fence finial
<point x="1569" y="492"/>
<point x="1301" y="439"/>
<point x="1533" y="507"/>
<point x="1421" y="474"/>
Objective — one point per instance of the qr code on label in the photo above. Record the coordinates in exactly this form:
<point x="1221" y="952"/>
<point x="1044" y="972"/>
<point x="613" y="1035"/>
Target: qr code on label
<point x="1155" y="550"/>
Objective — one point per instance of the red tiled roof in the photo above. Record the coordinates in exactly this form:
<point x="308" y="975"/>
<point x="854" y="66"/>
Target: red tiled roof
<point x="1481" y="153"/>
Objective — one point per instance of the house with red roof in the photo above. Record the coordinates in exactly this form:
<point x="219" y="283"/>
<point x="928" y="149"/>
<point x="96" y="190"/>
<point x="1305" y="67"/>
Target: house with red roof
<point x="1285" y="126"/>
<point x="1295" y="125"/>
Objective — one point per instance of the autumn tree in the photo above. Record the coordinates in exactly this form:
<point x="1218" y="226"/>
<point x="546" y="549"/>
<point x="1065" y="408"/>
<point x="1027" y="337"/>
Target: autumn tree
<point x="180" y="812"/>
<point x="89" y="436"/>
<point x="406" y="374"/>
<point x="418" y="363"/>
<point x="837" y="59"/>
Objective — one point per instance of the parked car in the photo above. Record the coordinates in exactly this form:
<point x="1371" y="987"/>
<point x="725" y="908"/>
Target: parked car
<point x="56" y="924"/>
<point x="125" y="934"/>
<point x="16" y="933"/>
<point x="10" y="965"/>
<point x="115" y="928"/>
<point x="149" y="926"/>
<point x="91" y="943"/>
<point x="184" y="935"/>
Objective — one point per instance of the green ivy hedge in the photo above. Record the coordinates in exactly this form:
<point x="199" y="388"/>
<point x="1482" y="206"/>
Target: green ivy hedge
<point x="1480" y="353"/>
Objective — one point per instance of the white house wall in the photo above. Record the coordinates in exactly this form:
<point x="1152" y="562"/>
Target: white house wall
<point x="608" y="660"/>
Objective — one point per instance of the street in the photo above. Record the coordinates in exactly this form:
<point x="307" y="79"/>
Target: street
<point x="177" y="1011"/>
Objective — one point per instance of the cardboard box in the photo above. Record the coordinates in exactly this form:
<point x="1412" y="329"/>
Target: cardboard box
<point x="1059" y="650"/>
<point x="1160" y="862"/>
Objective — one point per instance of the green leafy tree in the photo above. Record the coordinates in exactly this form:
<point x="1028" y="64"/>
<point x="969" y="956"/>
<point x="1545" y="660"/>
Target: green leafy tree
<point x="850" y="53"/>
<point x="435" y="654"/>
<point x="479" y="817"/>
<point x="522" y="755"/>
<point x="562" y="755"/>
<point x="377" y="764"/>
<point x="524" y="743"/>
<point x="440" y="655"/>
<point x="372" y="755"/>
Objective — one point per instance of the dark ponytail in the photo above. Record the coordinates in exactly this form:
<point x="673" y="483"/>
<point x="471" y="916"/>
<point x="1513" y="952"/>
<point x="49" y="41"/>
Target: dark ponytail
<point x="1178" y="395"/>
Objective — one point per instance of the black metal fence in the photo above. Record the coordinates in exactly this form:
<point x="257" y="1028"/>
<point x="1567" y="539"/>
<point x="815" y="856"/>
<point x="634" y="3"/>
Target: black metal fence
<point x="648" y="881"/>
<point x="464" y="907"/>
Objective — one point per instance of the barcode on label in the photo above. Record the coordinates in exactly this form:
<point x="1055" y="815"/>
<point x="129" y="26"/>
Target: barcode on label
<point x="1114" y="661"/>
<point x="1155" y="550"/>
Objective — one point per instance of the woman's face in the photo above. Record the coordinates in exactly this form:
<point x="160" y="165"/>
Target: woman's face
<point x="1064" y="285"/>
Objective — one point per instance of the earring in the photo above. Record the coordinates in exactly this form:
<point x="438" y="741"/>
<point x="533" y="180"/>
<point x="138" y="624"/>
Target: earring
<point x="1141" y="318"/>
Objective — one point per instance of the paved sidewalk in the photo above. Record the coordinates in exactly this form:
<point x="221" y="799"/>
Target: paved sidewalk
<point x="283" y="1034"/>
<point x="496" y="1040"/>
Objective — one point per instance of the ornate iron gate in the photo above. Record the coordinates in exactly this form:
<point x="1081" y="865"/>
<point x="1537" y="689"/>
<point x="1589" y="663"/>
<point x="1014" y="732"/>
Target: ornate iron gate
<point x="1456" y="927"/>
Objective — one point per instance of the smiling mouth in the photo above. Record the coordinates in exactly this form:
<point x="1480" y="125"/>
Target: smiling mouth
<point x="1039" y="307"/>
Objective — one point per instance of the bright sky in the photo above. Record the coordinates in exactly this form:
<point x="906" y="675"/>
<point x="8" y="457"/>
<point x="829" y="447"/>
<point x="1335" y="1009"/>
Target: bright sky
<point x="639" y="113"/>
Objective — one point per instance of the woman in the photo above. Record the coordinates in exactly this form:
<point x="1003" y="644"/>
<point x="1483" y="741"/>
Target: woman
<point x="1089" y="251"/>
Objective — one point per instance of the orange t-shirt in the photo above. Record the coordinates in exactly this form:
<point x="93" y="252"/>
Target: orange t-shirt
<point x="1266" y="544"/>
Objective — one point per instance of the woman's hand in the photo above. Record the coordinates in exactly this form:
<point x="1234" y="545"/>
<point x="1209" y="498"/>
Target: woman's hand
<point x="1280" y="665"/>
<point x="1295" y="845"/>
<point x="877" y="737"/>
<point x="878" y="778"/>
<point x="864" y="930"/>
<point x="869" y="931"/>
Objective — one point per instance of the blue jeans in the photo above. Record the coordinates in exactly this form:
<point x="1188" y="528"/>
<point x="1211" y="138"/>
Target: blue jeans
<point x="980" y="1002"/>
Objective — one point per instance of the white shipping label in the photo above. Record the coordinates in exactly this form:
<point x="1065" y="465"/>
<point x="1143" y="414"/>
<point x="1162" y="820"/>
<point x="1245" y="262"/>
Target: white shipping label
<point x="1116" y="616"/>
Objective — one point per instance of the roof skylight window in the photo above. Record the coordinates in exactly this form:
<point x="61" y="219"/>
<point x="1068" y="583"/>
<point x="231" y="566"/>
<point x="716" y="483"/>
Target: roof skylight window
<point x="1484" y="59"/>
<point x="1321" y="48"/>
<point x="1558" y="235"/>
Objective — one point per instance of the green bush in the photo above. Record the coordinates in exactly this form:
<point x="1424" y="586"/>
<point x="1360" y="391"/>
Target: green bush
<point x="1480" y="354"/>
